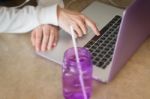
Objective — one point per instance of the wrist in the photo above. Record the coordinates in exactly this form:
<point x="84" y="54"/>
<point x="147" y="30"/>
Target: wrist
<point x="58" y="12"/>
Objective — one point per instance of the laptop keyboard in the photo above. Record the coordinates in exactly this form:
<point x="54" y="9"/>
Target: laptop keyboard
<point x="102" y="47"/>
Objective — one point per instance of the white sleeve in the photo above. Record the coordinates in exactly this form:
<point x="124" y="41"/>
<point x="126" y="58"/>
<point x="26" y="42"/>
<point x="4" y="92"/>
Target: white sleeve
<point x="23" y="20"/>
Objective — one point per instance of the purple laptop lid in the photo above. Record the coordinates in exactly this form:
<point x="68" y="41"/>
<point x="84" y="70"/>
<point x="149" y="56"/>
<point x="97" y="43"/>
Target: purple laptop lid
<point x="134" y="29"/>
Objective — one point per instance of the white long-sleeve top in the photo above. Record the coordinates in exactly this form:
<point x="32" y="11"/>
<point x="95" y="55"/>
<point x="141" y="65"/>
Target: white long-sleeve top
<point x="13" y="20"/>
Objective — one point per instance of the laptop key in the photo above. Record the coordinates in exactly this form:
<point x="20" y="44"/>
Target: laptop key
<point x="100" y="47"/>
<point x="100" y="55"/>
<point x="93" y="47"/>
<point x="94" y="54"/>
<point x="103" y="38"/>
<point x="97" y="59"/>
<point x="100" y="41"/>
<point x="104" y="60"/>
<point x="91" y="50"/>
<point x="109" y="38"/>
<point x="110" y="52"/>
<point x="103" y="52"/>
<point x="97" y="51"/>
<point x="88" y="46"/>
<point x="96" y="44"/>
<point x="110" y="45"/>
<point x="104" y="66"/>
<point x="107" y="41"/>
<point x="116" y="32"/>
<point x="111" y="30"/>
<point x="106" y="49"/>
<point x="105" y="35"/>
<point x="103" y="44"/>
<point x="100" y="64"/>
<point x="107" y="56"/>
<point x="94" y="62"/>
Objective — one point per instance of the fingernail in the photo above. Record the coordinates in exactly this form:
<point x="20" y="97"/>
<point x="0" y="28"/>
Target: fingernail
<point x="49" y="48"/>
<point x="80" y="35"/>
<point x="37" y="49"/>
<point x="98" y="33"/>
<point x="32" y="44"/>
<point x="84" y="33"/>
<point x="54" y="44"/>
<point x="43" y="50"/>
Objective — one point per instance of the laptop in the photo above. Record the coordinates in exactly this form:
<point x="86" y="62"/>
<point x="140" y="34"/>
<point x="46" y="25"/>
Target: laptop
<point x="119" y="39"/>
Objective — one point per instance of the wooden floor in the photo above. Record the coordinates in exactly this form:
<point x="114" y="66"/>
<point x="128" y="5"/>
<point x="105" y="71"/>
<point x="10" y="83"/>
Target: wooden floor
<point x="79" y="5"/>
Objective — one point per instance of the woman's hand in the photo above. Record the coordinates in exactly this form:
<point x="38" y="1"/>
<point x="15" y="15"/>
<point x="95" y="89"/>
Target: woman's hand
<point x="78" y="21"/>
<point x="45" y="37"/>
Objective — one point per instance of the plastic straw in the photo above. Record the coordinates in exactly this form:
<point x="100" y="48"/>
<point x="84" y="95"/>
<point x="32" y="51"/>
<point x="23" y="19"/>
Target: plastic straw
<point x="78" y="63"/>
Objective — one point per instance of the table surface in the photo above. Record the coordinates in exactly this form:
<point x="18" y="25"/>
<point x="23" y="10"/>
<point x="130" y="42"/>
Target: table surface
<point x="25" y="75"/>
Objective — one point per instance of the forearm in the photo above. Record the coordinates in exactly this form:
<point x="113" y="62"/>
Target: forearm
<point x="24" y="20"/>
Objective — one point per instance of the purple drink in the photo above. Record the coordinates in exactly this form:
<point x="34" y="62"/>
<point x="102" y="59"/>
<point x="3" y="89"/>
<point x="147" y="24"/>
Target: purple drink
<point x="71" y="83"/>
